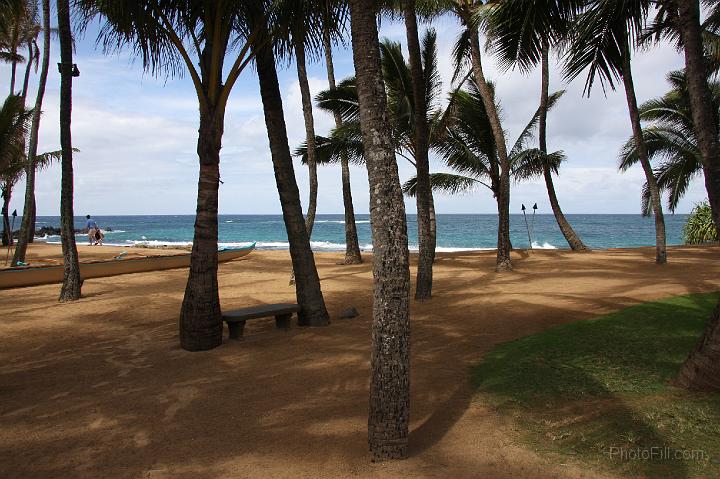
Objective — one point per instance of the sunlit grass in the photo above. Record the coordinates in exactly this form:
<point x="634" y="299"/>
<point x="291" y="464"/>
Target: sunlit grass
<point x="598" y="392"/>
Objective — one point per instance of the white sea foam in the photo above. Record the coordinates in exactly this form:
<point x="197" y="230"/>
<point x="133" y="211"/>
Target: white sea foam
<point x="545" y="245"/>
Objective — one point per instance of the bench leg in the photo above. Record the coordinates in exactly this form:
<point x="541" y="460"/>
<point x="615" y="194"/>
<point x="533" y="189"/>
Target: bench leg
<point x="236" y="329"/>
<point x="282" y="321"/>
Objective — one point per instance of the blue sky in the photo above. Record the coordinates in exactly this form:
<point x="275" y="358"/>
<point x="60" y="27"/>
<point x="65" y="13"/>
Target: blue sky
<point x="137" y="135"/>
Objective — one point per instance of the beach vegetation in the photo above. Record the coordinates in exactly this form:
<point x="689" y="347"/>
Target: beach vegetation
<point x="700" y="227"/>
<point x="670" y="137"/>
<point x="585" y="392"/>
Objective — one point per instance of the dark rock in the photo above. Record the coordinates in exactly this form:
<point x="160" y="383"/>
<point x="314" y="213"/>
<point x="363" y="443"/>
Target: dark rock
<point x="349" y="313"/>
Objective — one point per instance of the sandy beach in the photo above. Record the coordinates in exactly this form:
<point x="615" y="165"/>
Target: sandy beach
<point x="101" y="388"/>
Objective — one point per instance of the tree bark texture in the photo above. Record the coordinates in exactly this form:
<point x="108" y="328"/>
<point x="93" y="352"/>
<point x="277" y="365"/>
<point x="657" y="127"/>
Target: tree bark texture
<point x="72" y="284"/>
<point x="307" y="282"/>
<point x="200" y="320"/>
<point x="389" y="409"/>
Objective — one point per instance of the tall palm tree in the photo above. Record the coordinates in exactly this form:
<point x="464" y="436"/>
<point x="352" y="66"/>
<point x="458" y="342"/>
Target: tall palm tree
<point x="72" y="283"/>
<point x="299" y="35"/>
<point x="602" y="41"/>
<point x="421" y="140"/>
<point x="671" y="137"/>
<point x="471" y="14"/>
<point x="701" y="370"/>
<point x="307" y="282"/>
<point x="27" y="229"/>
<point x="167" y="35"/>
<point x="389" y="409"/>
<point x="334" y="13"/>
<point x="523" y="33"/>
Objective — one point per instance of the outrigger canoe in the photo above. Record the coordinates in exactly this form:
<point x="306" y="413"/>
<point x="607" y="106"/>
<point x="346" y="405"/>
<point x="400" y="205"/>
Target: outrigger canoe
<point x="35" y="275"/>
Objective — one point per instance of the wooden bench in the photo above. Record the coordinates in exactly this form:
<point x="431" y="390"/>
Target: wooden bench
<point x="236" y="318"/>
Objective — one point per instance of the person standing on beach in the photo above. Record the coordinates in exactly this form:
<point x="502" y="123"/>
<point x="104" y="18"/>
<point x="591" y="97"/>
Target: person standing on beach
<point x="92" y="228"/>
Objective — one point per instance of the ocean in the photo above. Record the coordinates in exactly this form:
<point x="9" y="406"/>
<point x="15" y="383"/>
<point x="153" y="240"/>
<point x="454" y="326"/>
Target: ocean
<point x="455" y="232"/>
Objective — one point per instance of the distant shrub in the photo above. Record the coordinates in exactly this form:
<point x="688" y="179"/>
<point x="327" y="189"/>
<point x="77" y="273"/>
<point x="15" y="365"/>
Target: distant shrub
<point x="700" y="227"/>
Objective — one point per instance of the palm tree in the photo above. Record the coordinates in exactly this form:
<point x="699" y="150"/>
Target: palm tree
<point x="421" y="145"/>
<point x="307" y="281"/>
<point x="12" y="174"/>
<point x="471" y="14"/>
<point x="463" y="138"/>
<point x="299" y="36"/>
<point x="389" y="409"/>
<point x="523" y="34"/>
<point x="334" y="14"/>
<point x="167" y="35"/>
<point x="345" y="142"/>
<point x="27" y="228"/>
<point x="602" y="42"/>
<point x="72" y="283"/>
<point x="670" y="136"/>
<point x="13" y="127"/>
<point x="691" y="34"/>
<point x="701" y="370"/>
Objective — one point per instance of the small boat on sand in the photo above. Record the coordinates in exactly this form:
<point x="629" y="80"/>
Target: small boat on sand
<point x="35" y="275"/>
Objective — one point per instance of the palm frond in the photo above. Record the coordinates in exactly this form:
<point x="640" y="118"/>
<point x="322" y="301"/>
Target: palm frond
<point x="447" y="183"/>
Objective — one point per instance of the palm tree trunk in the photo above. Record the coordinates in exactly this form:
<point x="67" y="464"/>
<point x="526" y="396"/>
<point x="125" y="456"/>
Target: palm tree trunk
<point x="31" y="229"/>
<point x="7" y="238"/>
<point x="352" y="246"/>
<point x="309" y="136"/>
<point x="307" y="282"/>
<point x="27" y="228"/>
<point x="503" y="246"/>
<point x="660" y="250"/>
<point x="70" y="290"/>
<point x="701" y="370"/>
<point x="700" y="102"/>
<point x="426" y="253"/>
<point x="200" y="317"/>
<point x="26" y="77"/>
<point x="568" y="232"/>
<point x="389" y="409"/>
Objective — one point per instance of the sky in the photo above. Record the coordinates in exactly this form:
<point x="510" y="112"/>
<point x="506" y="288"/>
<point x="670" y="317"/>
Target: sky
<point x="137" y="135"/>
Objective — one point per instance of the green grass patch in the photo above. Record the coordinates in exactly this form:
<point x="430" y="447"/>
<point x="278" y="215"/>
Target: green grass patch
<point x="598" y="393"/>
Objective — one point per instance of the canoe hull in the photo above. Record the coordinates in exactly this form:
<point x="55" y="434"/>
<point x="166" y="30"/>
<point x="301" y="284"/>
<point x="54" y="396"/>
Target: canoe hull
<point x="32" y="276"/>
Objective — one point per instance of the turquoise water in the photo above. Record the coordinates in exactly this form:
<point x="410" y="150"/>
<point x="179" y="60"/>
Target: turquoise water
<point x="454" y="232"/>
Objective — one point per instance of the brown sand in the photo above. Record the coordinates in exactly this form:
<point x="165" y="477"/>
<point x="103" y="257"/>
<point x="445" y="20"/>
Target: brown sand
<point x="100" y="388"/>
